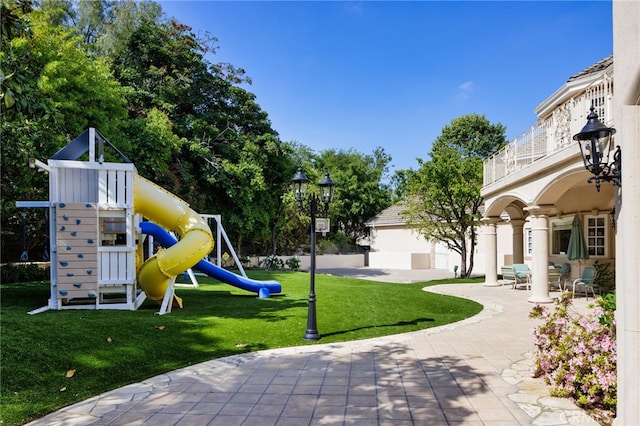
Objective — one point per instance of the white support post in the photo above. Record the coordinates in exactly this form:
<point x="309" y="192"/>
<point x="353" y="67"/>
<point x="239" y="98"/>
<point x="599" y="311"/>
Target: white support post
<point x="39" y="310"/>
<point x="221" y="234"/>
<point x="491" y="245"/>
<point x="165" y="308"/>
<point x="233" y="252"/>
<point x="92" y="145"/>
<point x="139" y="300"/>
<point x="192" y="277"/>
<point x="540" y="233"/>
<point x="219" y="231"/>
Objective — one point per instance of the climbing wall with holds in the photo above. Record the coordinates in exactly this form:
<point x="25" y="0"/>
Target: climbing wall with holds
<point x="77" y="247"/>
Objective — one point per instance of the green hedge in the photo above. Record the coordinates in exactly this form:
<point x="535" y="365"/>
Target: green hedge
<point x="23" y="272"/>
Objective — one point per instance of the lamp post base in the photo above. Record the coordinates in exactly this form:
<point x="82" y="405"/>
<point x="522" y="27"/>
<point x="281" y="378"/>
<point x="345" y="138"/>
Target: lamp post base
<point x="312" y="328"/>
<point x="311" y="335"/>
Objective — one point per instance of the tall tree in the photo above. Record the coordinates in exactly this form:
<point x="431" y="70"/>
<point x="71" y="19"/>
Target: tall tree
<point x="126" y="17"/>
<point x="58" y="90"/>
<point x="360" y="192"/>
<point x="228" y="160"/>
<point x="443" y="195"/>
<point x="290" y="231"/>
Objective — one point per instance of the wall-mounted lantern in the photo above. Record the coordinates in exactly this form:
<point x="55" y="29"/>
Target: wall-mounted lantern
<point x="595" y="146"/>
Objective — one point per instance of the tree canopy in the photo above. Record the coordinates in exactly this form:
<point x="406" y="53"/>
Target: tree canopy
<point x="359" y="193"/>
<point x="443" y="195"/>
<point x="150" y="85"/>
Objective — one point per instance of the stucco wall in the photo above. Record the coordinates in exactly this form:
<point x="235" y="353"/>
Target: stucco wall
<point x="396" y="247"/>
<point x="398" y="239"/>
<point x="389" y="260"/>
<point x="626" y="31"/>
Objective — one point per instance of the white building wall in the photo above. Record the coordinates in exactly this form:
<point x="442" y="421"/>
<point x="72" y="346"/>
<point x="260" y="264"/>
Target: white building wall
<point x="626" y="42"/>
<point x="389" y="260"/>
<point x="396" y="247"/>
<point x="399" y="248"/>
<point x="398" y="239"/>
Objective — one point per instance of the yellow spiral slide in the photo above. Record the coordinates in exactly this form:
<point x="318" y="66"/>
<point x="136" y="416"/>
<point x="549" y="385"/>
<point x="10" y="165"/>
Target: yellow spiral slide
<point x="173" y="214"/>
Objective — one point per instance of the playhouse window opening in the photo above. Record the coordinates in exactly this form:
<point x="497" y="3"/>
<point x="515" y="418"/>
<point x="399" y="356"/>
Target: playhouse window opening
<point x="114" y="231"/>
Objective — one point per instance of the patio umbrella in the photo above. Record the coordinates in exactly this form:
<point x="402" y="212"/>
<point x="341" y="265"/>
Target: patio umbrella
<point x="577" y="249"/>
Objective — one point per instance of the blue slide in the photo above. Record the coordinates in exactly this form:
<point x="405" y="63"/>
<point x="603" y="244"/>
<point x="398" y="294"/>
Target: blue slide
<point x="263" y="288"/>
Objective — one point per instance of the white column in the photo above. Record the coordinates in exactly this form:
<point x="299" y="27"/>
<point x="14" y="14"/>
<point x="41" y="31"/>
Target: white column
<point x="540" y="244"/>
<point x="626" y="39"/>
<point x="518" y="240"/>
<point x="491" y="249"/>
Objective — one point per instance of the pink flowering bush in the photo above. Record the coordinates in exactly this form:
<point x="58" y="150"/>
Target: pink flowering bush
<point x="576" y="354"/>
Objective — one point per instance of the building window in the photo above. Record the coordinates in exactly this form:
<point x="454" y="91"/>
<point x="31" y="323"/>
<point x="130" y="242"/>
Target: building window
<point x="596" y="235"/>
<point x="560" y="234"/>
<point x="528" y="242"/>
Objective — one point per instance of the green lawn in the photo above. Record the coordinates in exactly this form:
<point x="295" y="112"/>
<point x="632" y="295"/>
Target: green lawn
<point x="109" y="349"/>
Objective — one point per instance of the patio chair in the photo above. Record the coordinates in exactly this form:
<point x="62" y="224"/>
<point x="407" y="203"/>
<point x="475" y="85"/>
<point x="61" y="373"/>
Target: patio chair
<point x="586" y="282"/>
<point x="558" y="276"/>
<point x="508" y="277"/>
<point x="565" y="270"/>
<point x="553" y="275"/>
<point x="522" y="275"/>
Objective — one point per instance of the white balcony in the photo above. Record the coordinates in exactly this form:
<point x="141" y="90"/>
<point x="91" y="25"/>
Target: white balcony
<point x="562" y="115"/>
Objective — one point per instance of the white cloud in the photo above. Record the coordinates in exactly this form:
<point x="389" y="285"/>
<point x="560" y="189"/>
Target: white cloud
<point x="464" y="90"/>
<point x="466" y="86"/>
<point x="354" y="7"/>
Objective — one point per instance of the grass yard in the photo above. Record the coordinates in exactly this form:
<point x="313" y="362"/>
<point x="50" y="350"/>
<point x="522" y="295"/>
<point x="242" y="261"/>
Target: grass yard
<point x="103" y="350"/>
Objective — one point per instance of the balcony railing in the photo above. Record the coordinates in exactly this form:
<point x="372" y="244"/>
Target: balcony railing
<point x="527" y="148"/>
<point x="552" y="133"/>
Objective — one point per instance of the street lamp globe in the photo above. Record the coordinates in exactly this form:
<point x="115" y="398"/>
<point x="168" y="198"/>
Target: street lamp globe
<point x="326" y="189"/>
<point x="300" y="182"/>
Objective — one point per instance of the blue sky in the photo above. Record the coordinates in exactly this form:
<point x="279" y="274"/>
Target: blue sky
<point x="364" y="74"/>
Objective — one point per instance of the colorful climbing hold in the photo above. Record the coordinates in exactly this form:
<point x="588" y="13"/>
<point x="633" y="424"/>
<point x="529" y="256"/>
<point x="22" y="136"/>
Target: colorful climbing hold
<point x="68" y="247"/>
<point x="88" y="205"/>
<point x="90" y="241"/>
<point x="81" y="256"/>
<point x="63" y="292"/>
<point x="65" y="217"/>
<point x="69" y="274"/>
<point x="91" y="294"/>
<point x="78" y="285"/>
<point x="78" y="221"/>
<point x="62" y="205"/>
<point x="74" y="233"/>
<point x="62" y="228"/>
<point x="89" y="271"/>
<point x="64" y="263"/>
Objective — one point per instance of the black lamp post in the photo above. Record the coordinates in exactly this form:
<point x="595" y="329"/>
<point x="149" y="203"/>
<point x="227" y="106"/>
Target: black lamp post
<point x="300" y="182"/>
<point x="595" y="146"/>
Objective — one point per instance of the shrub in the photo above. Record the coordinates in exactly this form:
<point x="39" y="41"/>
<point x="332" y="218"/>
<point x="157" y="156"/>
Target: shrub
<point x="608" y="304"/>
<point x="576" y="354"/>
<point x="605" y="277"/>
<point x="338" y="243"/>
<point x="272" y="263"/>
<point x="23" y="272"/>
<point x="293" y="263"/>
<point x="327" y="247"/>
<point x="245" y="261"/>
